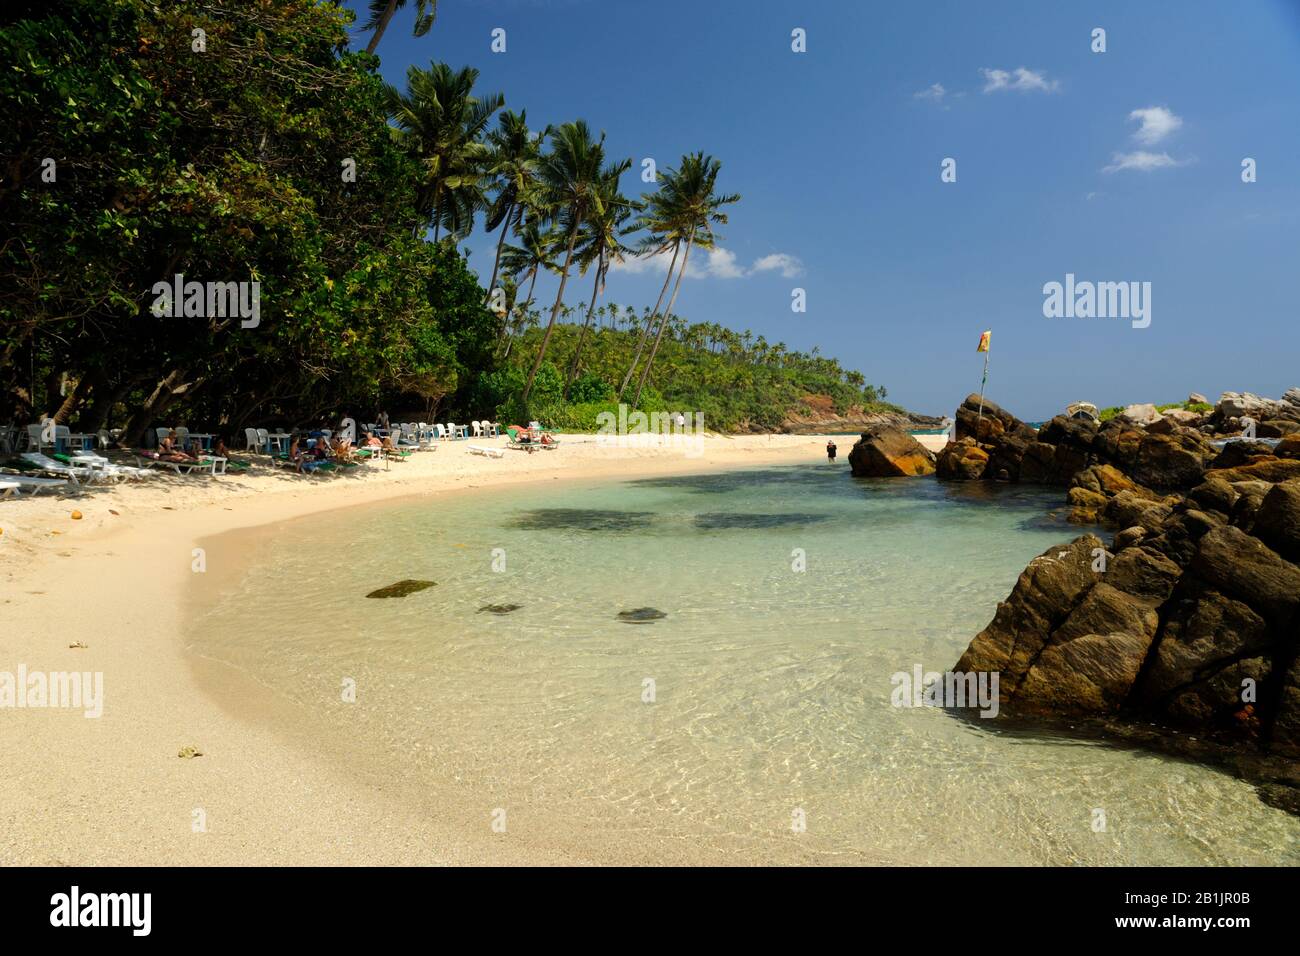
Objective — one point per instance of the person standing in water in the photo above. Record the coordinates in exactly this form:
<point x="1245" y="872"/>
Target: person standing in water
<point x="830" y="449"/>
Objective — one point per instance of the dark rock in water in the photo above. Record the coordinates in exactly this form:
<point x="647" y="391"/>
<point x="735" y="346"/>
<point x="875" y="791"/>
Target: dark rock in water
<point x="962" y="461"/>
<point x="499" y="608"/>
<point x="582" y="519"/>
<point x="401" y="588"/>
<point x="885" y="451"/>
<point x="641" y="615"/>
<point x="718" y="520"/>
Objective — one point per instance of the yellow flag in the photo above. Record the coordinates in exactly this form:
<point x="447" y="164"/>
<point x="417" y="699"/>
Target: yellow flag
<point x="984" y="341"/>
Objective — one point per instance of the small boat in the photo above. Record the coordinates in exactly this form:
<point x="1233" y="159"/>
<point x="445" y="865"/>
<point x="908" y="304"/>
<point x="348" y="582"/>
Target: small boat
<point x="1085" y="411"/>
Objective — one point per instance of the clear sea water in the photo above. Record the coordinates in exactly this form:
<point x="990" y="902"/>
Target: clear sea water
<point x="771" y="686"/>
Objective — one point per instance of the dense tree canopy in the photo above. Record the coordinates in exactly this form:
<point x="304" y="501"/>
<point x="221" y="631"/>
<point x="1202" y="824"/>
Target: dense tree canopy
<point x="245" y="142"/>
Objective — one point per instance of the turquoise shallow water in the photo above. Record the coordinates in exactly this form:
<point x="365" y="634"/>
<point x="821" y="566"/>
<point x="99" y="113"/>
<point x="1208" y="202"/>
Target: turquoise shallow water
<point x="771" y="686"/>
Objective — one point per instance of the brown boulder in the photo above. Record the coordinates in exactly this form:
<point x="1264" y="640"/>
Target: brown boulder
<point x="886" y="451"/>
<point x="1144" y="573"/>
<point x="1045" y="594"/>
<point x="1244" y="568"/>
<point x="962" y="461"/>
<point x="1093" y="659"/>
<point x="1269" y="469"/>
<point x="1215" y="494"/>
<point x="1288" y="447"/>
<point x="1170" y="461"/>
<point x="1201" y="637"/>
<point x="1277" y="522"/>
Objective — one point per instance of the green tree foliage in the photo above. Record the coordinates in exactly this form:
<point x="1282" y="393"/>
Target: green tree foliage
<point x="228" y="163"/>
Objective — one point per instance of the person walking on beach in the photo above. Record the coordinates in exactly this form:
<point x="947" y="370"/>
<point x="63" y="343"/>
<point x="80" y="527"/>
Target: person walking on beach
<point x="830" y="449"/>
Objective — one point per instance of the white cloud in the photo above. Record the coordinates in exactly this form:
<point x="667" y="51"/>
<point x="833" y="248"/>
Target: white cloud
<point x="722" y="265"/>
<point x="934" y="91"/>
<point x="1157" y="123"/>
<point x="714" y="264"/>
<point x="639" y="265"/>
<point x="789" y="266"/>
<point x="1142" y="161"/>
<point x="1019" y="80"/>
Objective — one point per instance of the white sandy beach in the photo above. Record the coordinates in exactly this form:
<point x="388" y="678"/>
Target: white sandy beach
<point x="113" y="790"/>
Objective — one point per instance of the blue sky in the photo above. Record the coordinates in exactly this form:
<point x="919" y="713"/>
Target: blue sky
<point x="837" y="153"/>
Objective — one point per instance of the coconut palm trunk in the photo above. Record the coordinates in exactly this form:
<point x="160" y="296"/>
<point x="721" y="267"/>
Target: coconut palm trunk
<point x="382" y="26"/>
<point x="501" y="241"/>
<point x="663" y="323"/>
<point x="582" y="337"/>
<point x="555" y="309"/>
<point x="645" y="331"/>
<point x="510" y="339"/>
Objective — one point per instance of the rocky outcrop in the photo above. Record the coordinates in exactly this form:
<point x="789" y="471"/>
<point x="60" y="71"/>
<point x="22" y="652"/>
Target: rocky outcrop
<point x="1272" y="418"/>
<point x="1163" y="455"/>
<point x="886" y="451"/>
<point x="1190" y="619"/>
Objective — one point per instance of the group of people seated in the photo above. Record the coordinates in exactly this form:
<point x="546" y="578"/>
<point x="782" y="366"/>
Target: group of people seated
<point x="171" y="448"/>
<point x="315" y="450"/>
<point x="531" y="436"/>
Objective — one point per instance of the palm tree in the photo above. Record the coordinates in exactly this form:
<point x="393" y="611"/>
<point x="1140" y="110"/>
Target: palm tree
<point x="663" y="235"/>
<point x="569" y="177"/>
<point x="441" y="123"/>
<point x="381" y="12"/>
<point x="602" y="244"/>
<point x="688" y="205"/>
<point x="515" y="152"/>
<point x="536" y="251"/>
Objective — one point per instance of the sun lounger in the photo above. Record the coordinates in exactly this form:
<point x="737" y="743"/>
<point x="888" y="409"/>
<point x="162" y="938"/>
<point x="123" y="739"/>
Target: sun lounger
<point x="91" y="460"/>
<point x="87" y="473"/>
<point x="489" y="452"/>
<point x="151" y="459"/>
<point x="16" y="484"/>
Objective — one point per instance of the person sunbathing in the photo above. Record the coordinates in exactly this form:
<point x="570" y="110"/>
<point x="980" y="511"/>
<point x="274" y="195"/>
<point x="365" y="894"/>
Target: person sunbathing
<point x="169" y="450"/>
<point x="372" y="442"/>
<point x="301" y="457"/>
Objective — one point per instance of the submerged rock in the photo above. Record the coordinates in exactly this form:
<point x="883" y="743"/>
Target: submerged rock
<point x="401" y="588"/>
<point x="885" y="451"/>
<point x="642" y="615"/>
<point x="499" y="608"/>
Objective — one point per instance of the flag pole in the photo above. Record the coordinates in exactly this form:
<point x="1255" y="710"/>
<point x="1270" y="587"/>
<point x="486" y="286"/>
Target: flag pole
<point x="980" y="417"/>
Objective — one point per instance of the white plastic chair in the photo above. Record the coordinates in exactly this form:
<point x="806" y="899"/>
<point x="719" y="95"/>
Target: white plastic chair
<point x="264" y="440"/>
<point x="34" y="441"/>
<point x="451" y="430"/>
<point x="251" y="441"/>
<point x="477" y="428"/>
<point x="182" y="436"/>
